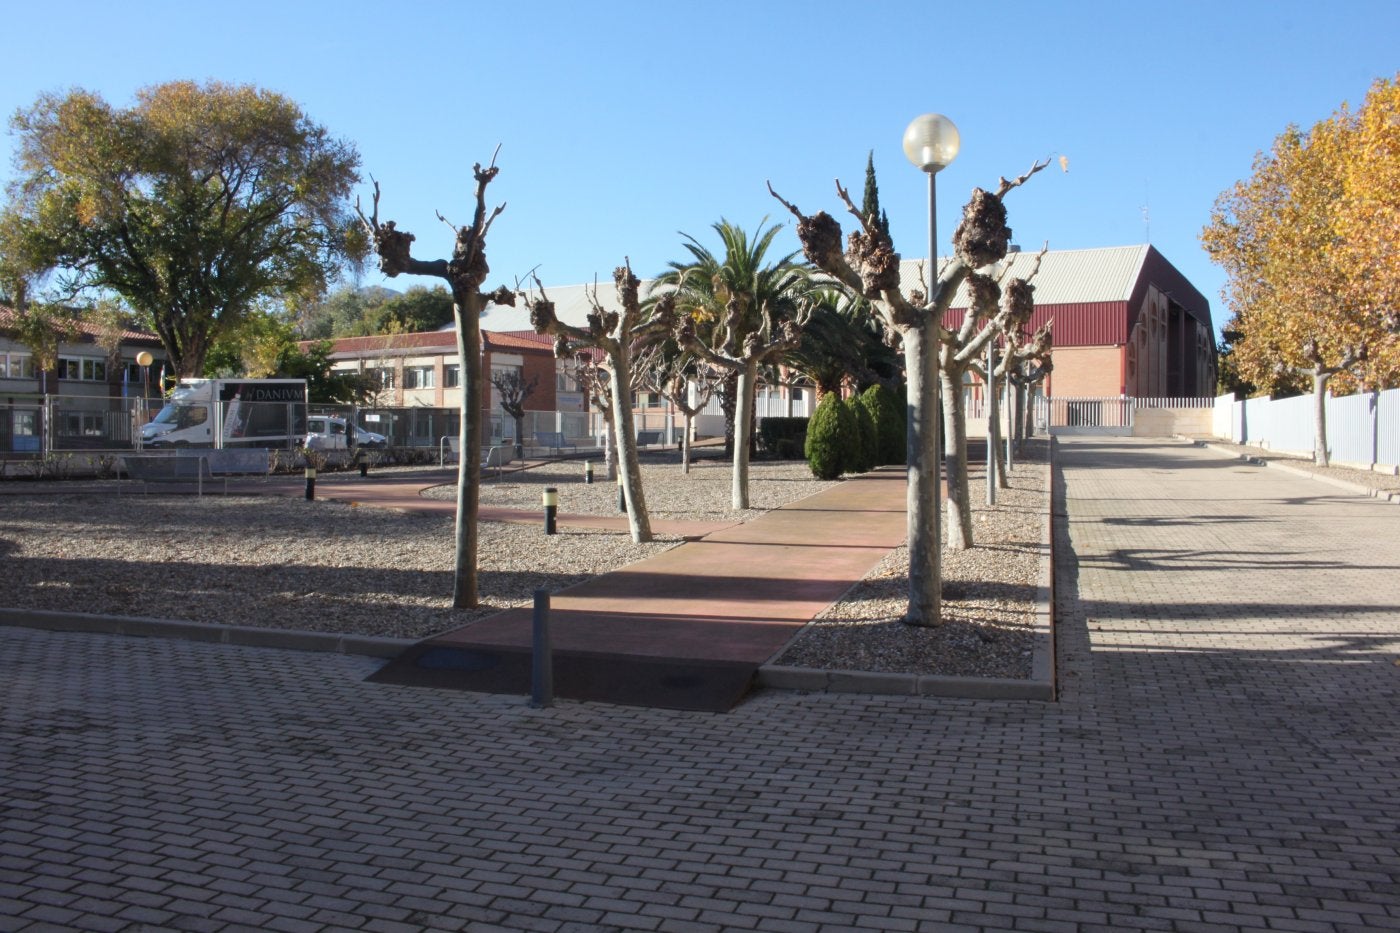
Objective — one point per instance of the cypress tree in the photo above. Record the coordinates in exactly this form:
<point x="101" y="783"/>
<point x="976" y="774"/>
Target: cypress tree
<point x="870" y="205"/>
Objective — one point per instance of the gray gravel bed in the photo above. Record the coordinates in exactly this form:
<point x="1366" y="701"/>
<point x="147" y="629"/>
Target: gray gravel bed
<point x="283" y="562"/>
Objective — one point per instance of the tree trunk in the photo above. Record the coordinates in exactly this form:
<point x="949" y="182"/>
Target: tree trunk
<point x="1320" y="378"/>
<point x="464" y="584"/>
<point x="609" y="447"/>
<point x="743" y="420"/>
<point x="994" y="437"/>
<point x="728" y="400"/>
<point x="955" y="462"/>
<point x="520" y="435"/>
<point x="921" y="449"/>
<point x="637" y="518"/>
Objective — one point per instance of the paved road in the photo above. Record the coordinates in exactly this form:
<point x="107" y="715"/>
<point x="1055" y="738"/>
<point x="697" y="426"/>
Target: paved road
<point x="1225" y="757"/>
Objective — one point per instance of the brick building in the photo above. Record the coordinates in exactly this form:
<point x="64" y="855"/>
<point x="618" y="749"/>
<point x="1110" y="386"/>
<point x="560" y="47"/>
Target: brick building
<point x="1125" y="322"/>
<point x="422" y="369"/>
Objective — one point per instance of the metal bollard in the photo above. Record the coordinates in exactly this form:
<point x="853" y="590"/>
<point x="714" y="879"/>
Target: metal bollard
<point x="621" y="493"/>
<point x="542" y="660"/>
<point x="551" y="509"/>
<point x="310" y="483"/>
<point x="588" y="472"/>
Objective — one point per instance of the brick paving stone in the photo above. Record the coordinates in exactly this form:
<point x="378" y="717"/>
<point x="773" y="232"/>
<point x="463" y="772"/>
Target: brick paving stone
<point x="1224" y="755"/>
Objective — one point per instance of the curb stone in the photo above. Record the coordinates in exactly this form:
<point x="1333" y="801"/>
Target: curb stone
<point x="1359" y="488"/>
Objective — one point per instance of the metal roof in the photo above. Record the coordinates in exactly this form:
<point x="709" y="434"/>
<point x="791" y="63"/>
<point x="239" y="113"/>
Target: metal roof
<point x="1066" y="276"/>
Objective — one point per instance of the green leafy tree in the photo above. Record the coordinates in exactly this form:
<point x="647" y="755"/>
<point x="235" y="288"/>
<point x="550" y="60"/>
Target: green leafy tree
<point x="323" y="384"/>
<point x="194" y="205"/>
<point x="418" y="309"/>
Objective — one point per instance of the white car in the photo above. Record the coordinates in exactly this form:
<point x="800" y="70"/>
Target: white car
<point x="323" y="433"/>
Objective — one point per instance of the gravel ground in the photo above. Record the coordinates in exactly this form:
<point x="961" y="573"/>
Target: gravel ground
<point x="323" y="566"/>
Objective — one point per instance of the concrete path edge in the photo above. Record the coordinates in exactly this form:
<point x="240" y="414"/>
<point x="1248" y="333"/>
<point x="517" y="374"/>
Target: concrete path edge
<point x="1358" y="488"/>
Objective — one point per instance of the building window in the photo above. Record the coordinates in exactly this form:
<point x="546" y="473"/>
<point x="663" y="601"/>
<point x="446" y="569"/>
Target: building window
<point x="418" y="377"/>
<point x="452" y="376"/>
<point x="82" y="424"/>
<point x="17" y="366"/>
<point x="82" y="369"/>
<point x="383" y="378"/>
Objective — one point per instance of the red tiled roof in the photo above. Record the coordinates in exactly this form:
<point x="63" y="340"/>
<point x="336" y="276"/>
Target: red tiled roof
<point x="440" y="340"/>
<point x="85" y="328"/>
<point x="519" y="339"/>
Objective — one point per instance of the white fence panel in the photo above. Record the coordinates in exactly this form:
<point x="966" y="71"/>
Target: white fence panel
<point x="1351" y="428"/>
<point x="1362" y="429"/>
<point x="1388" y="428"/>
<point x="1280" y="424"/>
<point x="1224" y="421"/>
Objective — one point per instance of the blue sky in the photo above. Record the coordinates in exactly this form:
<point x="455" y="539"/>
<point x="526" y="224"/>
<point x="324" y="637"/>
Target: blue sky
<point x="622" y="124"/>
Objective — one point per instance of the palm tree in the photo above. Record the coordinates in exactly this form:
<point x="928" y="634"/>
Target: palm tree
<point x="737" y="312"/>
<point x="840" y="343"/>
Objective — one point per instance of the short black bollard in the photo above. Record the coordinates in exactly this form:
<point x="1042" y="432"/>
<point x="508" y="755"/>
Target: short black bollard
<point x="551" y="509"/>
<point x="588" y="472"/>
<point x="310" y="483"/>
<point x="542" y="662"/>
<point x="621" y="492"/>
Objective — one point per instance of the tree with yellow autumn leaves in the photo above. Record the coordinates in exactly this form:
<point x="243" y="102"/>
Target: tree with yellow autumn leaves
<point x="1311" y="246"/>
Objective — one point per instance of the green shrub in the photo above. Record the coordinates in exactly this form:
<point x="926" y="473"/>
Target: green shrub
<point x="782" y="438"/>
<point x="863" y="451"/>
<point x="887" y="410"/>
<point x="831" y="434"/>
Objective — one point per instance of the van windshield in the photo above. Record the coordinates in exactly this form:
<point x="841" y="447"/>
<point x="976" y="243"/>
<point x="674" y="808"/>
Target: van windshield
<point x="176" y="410"/>
<point x="182" y="416"/>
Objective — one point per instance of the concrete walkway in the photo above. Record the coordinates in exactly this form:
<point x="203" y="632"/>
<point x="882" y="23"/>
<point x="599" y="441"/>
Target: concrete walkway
<point x="1226" y="756"/>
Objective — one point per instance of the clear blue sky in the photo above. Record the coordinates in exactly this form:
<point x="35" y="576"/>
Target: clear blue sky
<point x="621" y="124"/>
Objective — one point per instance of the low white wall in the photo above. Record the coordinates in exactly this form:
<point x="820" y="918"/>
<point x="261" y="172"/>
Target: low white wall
<point x="1168" y="422"/>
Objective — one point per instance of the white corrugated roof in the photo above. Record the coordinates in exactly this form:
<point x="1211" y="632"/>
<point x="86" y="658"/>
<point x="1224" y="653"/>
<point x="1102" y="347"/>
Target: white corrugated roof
<point x="572" y="304"/>
<point x="1065" y="276"/>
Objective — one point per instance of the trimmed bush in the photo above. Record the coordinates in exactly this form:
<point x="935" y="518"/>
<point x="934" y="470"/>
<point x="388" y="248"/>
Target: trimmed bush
<point x="864" y="450"/>
<point x="831" y="434"/>
<point x="782" y="438"/>
<point x="887" y="410"/>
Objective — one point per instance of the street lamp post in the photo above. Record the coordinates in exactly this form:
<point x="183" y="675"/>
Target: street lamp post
<point x="931" y="143"/>
<point x="989" y="407"/>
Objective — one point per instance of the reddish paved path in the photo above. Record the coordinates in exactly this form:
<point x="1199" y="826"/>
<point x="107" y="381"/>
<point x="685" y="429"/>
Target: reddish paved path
<point x="737" y="595"/>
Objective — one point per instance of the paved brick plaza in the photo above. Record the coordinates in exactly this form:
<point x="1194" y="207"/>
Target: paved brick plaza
<point x="1224" y="756"/>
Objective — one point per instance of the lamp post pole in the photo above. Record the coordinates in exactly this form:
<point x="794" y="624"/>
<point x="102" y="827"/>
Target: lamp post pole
<point x="930" y="143"/>
<point x="989" y="407"/>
